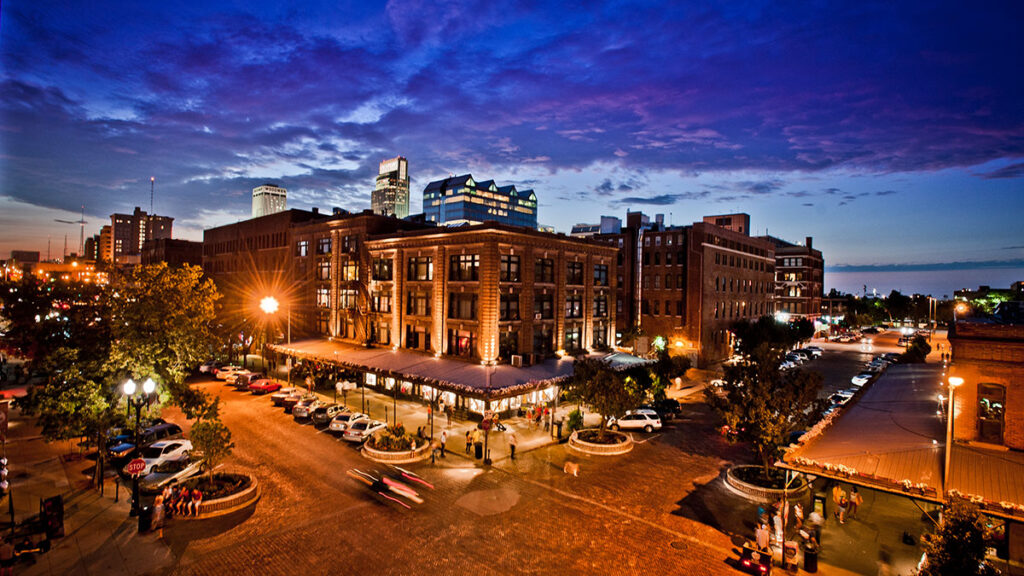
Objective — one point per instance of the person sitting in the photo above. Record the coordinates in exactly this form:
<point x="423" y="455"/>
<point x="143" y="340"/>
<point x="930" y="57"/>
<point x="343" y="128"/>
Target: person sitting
<point x="182" y="501"/>
<point x="197" y="499"/>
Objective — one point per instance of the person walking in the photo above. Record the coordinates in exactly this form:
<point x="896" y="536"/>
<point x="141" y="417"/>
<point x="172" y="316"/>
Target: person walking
<point x="836" y="497"/>
<point x="444" y="440"/>
<point x="158" y="516"/>
<point x="512" y="442"/>
<point x="843" y="503"/>
<point x="855" y="501"/>
<point x="469" y="441"/>
<point x="798" y="516"/>
<point x="761" y="537"/>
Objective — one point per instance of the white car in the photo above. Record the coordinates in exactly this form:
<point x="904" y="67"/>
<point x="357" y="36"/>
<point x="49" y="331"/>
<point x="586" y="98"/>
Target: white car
<point x="163" y="452"/>
<point x="815" y="350"/>
<point x="225" y="371"/>
<point x="341" y="422"/>
<point x="642" y="420"/>
<point x="303" y="409"/>
<point x="233" y="377"/>
<point x="361" y="430"/>
<point x="862" y="378"/>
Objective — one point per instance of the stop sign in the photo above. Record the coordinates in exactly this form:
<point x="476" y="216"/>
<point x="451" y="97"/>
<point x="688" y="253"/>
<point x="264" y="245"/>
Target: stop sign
<point x="134" y="467"/>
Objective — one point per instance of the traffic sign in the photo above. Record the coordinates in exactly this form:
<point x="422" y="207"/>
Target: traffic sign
<point x="134" y="467"/>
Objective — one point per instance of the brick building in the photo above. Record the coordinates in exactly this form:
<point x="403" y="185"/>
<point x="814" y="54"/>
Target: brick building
<point x="799" y="278"/>
<point x="173" y="251"/>
<point x="988" y="353"/>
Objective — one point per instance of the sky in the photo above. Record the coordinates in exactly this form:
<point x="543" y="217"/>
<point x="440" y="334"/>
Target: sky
<point x="891" y="132"/>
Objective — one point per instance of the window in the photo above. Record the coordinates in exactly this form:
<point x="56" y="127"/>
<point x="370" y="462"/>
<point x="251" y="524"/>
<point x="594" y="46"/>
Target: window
<point x="460" y="342"/>
<point x="657" y="258"/>
<point x="508" y="307"/>
<point x="382" y="269"/>
<point x="349" y="271"/>
<point x="544" y="306"/>
<point x="417" y="338"/>
<point x="668" y="256"/>
<point x="544" y="271"/>
<point x="657" y="281"/>
<point x="574" y="273"/>
<point x="508" y="344"/>
<point x="462" y="306"/>
<point x="323" y="246"/>
<point x="323" y="323"/>
<point x="668" y="281"/>
<point x="302" y="248"/>
<point x="646" y="258"/>
<point x="509" y="268"/>
<point x="574" y="306"/>
<point x="323" y="297"/>
<point x="600" y="275"/>
<point x="350" y="244"/>
<point x="382" y="302"/>
<point x="600" y="336"/>
<point x="421" y="268"/>
<point x="464" y="268"/>
<point x="657" y="240"/>
<point x="572" y="338"/>
<point x="657" y="307"/>
<point x="417" y="304"/>
<point x="323" y="270"/>
<point x="346" y="298"/>
<point x="991" y="407"/>
<point x="600" y="306"/>
<point x="543" y="341"/>
<point x="679" y="281"/>
<point x="679" y="307"/>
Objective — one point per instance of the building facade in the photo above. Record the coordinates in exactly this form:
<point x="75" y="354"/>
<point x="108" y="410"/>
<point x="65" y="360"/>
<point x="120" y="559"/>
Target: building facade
<point x="173" y="251"/>
<point x="391" y="192"/>
<point x="268" y="199"/>
<point x="130" y="232"/>
<point x="459" y="200"/>
<point x="799" y="278"/>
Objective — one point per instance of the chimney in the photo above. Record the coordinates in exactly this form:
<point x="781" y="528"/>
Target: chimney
<point x="808" y="242"/>
<point x="316" y="210"/>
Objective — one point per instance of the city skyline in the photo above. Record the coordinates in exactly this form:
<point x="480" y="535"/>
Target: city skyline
<point x="889" y="134"/>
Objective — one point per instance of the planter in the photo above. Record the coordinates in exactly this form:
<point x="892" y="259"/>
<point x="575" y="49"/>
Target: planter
<point x="799" y="488"/>
<point x="227" y="504"/>
<point x="596" y="449"/>
<point x="399" y="457"/>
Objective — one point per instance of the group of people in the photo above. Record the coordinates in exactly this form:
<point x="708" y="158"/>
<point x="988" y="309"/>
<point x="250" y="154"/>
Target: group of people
<point x="181" y="500"/>
<point x="846" y="505"/>
<point x="773" y="524"/>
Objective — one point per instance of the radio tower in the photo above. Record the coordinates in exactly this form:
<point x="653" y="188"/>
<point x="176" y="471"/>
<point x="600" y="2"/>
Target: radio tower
<point x="81" y="235"/>
<point x="152" y="182"/>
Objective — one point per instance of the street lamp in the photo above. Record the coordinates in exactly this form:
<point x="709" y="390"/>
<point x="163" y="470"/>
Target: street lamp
<point x="137" y="401"/>
<point x="270" y="305"/>
<point x="954" y="381"/>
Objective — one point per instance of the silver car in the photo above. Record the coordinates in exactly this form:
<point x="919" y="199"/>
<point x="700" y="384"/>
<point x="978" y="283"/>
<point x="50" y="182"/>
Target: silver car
<point x="341" y="422"/>
<point x="362" y="430"/>
<point x="304" y="408"/>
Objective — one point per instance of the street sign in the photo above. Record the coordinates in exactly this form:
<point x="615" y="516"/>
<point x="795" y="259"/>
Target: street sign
<point x="135" y="467"/>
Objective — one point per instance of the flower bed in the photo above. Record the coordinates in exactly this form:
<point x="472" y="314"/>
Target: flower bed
<point x="229" y="493"/>
<point x="394" y="445"/>
<point x="592" y="441"/>
<point x="750" y="482"/>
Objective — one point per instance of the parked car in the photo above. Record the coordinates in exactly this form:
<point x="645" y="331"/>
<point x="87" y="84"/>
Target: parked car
<point x="795" y="358"/>
<point x="164" y="431"/>
<point x="666" y="409"/>
<point x="639" y="421"/>
<point x="361" y="430"/>
<point x="223" y="372"/>
<point x="163" y="452"/>
<point x="841" y="397"/>
<point x="862" y="378"/>
<point x="169" y="474"/>
<point x="298" y="396"/>
<point x="243" y="381"/>
<point x="323" y="414"/>
<point x="304" y="408"/>
<point x="279" y="397"/>
<point x="804" y="354"/>
<point x="234" y="376"/>
<point x="816" y="350"/>
<point x="264" y="386"/>
<point x="209" y="367"/>
<point x="341" y="421"/>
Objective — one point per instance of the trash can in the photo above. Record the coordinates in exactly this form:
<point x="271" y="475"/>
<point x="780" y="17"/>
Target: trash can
<point x="478" y="448"/>
<point x="145" y="519"/>
<point x="810" y="558"/>
<point x="559" y="425"/>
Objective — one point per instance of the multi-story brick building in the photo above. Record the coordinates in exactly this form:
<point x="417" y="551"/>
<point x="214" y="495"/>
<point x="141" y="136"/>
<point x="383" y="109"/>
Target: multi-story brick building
<point x="799" y="278"/>
<point x="688" y="284"/>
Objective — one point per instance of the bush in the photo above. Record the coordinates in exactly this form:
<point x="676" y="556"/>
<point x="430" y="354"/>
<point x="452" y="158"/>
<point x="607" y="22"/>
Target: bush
<point x="394" y="439"/>
<point x="219" y="485"/>
<point x="917" y="351"/>
<point x="597" y="436"/>
<point x="575" y="421"/>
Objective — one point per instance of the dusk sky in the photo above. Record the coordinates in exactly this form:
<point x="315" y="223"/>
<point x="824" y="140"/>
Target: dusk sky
<point x="893" y="133"/>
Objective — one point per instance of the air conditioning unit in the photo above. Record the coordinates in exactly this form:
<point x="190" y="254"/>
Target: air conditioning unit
<point x="537" y="316"/>
<point x="517" y="360"/>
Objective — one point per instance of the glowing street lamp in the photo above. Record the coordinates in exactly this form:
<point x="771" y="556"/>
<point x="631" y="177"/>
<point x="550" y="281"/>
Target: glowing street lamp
<point x="137" y="401"/>
<point x="954" y="381"/>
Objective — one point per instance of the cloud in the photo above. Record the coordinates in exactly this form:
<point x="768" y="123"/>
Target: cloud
<point x="1011" y="171"/>
<point x="663" y="199"/>
<point x="885" y="192"/>
<point x="928" y="267"/>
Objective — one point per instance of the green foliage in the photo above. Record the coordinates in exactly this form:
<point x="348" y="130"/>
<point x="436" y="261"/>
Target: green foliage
<point x="575" y="421"/>
<point x="394" y="438"/>
<point x="666" y="368"/>
<point x="987" y="304"/>
<point x="763" y="405"/>
<point x="767" y="332"/>
<point x="608" y="392"/>
<point x="161" y="319"/>
<point x="898" y="306"/>
<point x="957" y="548"/>
<point x="917" y="351"/>
<point x="213" y="439"/>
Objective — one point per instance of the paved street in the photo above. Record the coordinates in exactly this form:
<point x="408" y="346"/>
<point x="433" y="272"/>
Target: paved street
<point x="660" y="509"/>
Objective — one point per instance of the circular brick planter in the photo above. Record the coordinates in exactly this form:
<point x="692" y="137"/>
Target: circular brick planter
<point x="762" y="494"/>
<point x="405" y="457"/>
<point x="227" y="504"/>
<point x="595" y="449"/>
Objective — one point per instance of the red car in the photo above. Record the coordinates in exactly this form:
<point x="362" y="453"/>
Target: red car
<point x="264" y="386"/>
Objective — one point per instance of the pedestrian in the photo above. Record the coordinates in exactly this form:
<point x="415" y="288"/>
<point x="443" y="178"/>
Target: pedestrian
<point x="843" y="503"/>
<point x="448" y="415"/>
<point x="836" y="497"/>
<point x="469" y="441"/>
<point x="440" y="406"/>
<point x="798" y="516"/>
<point x="512" y="442"/>
<point x="777" y="521"/>
<point x="855" y="501"/>
<point x="444" y="440"/>
<point x="814" y="523"/>
<point x="547" y="423"/>
<point x="158" y="516"/>
<point x="197" y="499"/>
<point x="761" y="537"/>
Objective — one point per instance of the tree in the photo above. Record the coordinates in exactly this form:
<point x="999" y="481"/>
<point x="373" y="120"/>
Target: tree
<point x="763" y="405"/>
<point x="666" y="368"/>
<point x="608" y="392"/>
<point x="161" y="321"/>
<point x="917" y="351"/>
<point x="898" y="305"/>
<point x="957" y="548"/>
<point x="213" y="439"/>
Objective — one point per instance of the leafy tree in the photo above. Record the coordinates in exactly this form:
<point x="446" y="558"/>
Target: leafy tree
<point x="898" y="305"/>
<point x="608" y="392"/>
<point x="161" y="319"/>
<point x="917" y="352"/>
<point x="213" y="439"/>
<point x="767" y="331"/>
<point x="763" y="405"/>
<point x="665" y="369"/>
<point x="957" y="548"/>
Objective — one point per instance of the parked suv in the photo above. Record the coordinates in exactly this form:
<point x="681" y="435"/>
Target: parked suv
<point x="646" y="420"/>
<point x="243" y="381"/>
<point x="304" y="408"/>
<point x="165" y="431"/>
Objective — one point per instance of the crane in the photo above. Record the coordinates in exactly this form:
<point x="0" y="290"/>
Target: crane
<point x="81" y="239"/>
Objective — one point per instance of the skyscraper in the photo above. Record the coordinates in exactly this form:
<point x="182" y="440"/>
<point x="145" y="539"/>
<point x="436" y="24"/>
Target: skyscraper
<point x="458" y="200"/>
<point x="391" y="194"/>
<point x="268" y="199"/>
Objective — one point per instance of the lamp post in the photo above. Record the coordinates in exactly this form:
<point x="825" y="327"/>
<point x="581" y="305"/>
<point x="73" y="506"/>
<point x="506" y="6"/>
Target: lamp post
<point x="270" y="305"/>
<point x="954" y="381"/>
<point x="137" y="401"/>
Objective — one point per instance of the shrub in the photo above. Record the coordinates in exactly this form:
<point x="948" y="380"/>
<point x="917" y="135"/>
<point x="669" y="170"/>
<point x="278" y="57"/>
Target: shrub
<point x="575" y="420"/>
